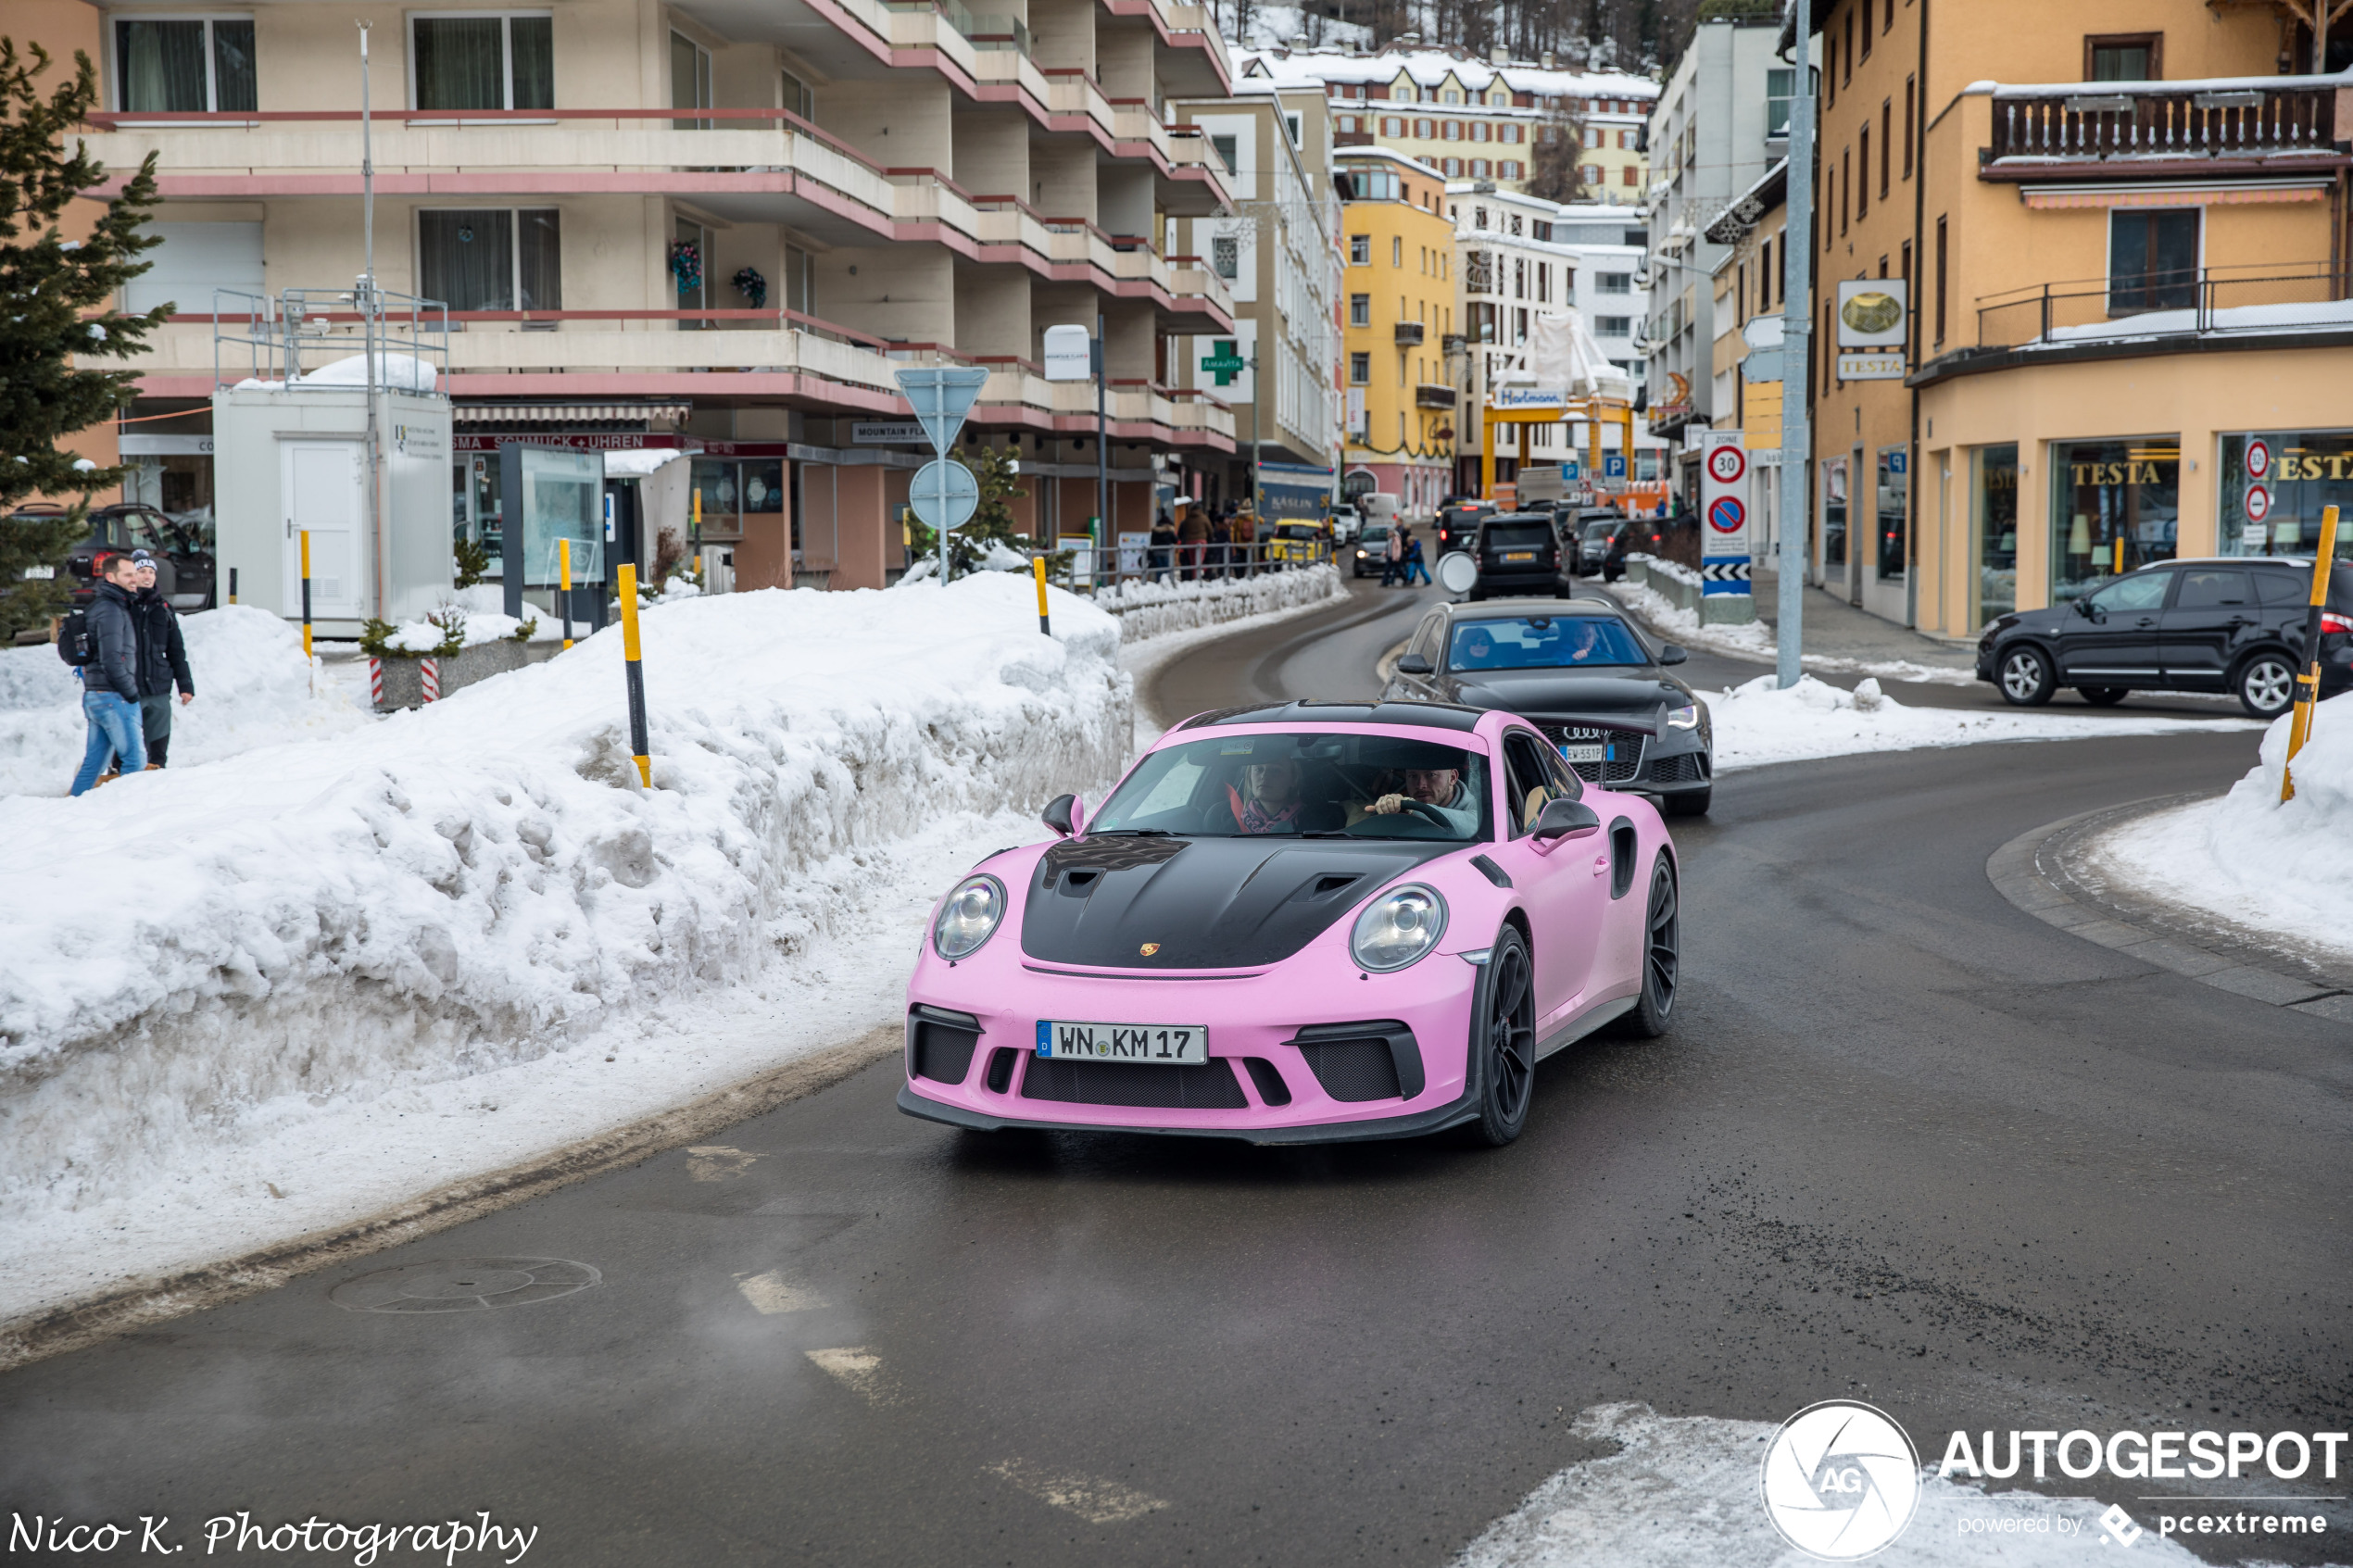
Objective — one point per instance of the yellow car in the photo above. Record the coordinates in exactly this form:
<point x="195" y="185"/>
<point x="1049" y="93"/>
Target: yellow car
<point x="1302" y="541"/>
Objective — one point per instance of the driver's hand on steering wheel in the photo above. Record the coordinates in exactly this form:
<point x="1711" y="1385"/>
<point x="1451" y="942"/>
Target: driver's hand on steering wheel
<point x="1387" y="805"/>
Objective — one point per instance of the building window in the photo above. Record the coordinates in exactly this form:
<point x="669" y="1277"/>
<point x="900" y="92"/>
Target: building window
<point x="1397" y="250"/>
<point x="1452" y="95"/>
<point x="1613" y="326"/>
<point x="1886" y="144"/>
<point x="1360" y="250"/>
<point x="1508" y="170"/>
<point x="184" y="65"/>
<point x="1360" y="370"/>
<point x="1347" y="122"/>
<point x="1846" y="187"/>
<point x="1479" y="169"/>
<point x="483" y="60"/>
<point x="1453" y="131"/>
<point x="1390" y="125"/>
<point x="1848" y="56"/>
<point x="1508" y="134"/>
<point x="1591" y="173"/>
<point x="1290" y="123"/>
<point x="1891" y="513"/>
<point x="1422" y="129"/>
<point x="1940" y="279"/>
<point x="491" y="258"/>
<point x="2115" y="506"/>
<point x="1614" y="282"/>
<point x="2124" y="57"/>
<point x="1228" y="153"/>
<point x="1829" y="71"/>
<point x="2303" y="471"/>
<point x="2152" y="259"/>
<point x="1404" y="94"/>
<point x="689" y="81"/>
<point x="1910" y="87"/>
<point x="1225" y="256"/>
<point x="1863" y="192"/>
<point x="1360" y="310"/>
<point x="1454" y="169"/>
<point x="1778" y="89"/>
<point x="1995" y="590"/>
<point x="1834" y="514"/>
<point x="1630" y="175"/>
<point x="1479" y="131"/>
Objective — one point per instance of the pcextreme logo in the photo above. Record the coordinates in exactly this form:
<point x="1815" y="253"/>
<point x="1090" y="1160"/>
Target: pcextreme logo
<point x="1840" y="1480"/>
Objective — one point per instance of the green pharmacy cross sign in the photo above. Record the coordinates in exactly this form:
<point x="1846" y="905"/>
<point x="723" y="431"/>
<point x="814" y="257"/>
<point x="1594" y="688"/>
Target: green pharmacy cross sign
<point x="1226" y="364"/>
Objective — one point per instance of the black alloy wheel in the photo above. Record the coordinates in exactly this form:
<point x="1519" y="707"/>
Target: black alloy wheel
<point x="2103" y="697"/>
<point x="1662" y="955"/>
<point x="2026" y="677"/>
<point x="1506" y="1042"/>
<point x="2265" y="685"/>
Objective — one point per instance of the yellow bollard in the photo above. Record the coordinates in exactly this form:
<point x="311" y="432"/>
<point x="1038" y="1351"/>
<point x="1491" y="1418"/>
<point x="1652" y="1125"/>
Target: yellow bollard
<point x="634" y="677"/>
<point x="563" y="576"/>
<point x="2308" y="679"/>
<point x="306" y="593"/>
<point x="1037" y="569"/>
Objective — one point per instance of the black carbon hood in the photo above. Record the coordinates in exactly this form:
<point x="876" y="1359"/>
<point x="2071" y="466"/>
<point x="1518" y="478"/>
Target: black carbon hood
<point x="1209" y="903"/>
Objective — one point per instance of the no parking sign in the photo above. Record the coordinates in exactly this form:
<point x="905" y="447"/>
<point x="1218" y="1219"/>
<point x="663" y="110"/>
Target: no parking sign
<point x="1723" y="504"/>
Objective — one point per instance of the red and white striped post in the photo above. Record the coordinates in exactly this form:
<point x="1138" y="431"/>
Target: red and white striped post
<point x="429" y="675"/>
<point x="375" y="682"/>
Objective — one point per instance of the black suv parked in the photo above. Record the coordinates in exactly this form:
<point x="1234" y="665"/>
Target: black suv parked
<point x="2229" y="623"/>
<point x="1518" y="553"/>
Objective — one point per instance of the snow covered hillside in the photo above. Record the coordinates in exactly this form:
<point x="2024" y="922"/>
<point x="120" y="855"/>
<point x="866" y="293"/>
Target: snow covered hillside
<point x="455" y="890"/>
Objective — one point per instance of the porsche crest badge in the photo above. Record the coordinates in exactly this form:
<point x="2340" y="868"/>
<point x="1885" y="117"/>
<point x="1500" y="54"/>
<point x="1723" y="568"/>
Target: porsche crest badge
<point x="1149" y="949"/>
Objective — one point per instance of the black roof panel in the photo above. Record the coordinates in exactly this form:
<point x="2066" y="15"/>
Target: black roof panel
<point x="1422" y="715"/>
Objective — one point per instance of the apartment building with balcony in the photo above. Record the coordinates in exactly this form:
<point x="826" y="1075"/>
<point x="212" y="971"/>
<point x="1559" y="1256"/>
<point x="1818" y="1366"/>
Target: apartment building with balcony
<point x="1520" y="257"/>
<point x="1276" y="252"/>
<point x="1721" y="119"/>
<point x="716" y="227"/>
<point x="1402" y="286"/>
<point x="2130" y="334"/>
<point x="1476" y="119"/>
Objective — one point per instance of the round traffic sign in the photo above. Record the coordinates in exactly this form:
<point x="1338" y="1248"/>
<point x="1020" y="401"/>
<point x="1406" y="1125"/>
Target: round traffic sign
<point x="1457" y="571"/>
<point x="2258" y="503"/>
<point x="944" y="493"/>
<point x="1725" y="514"/>
<point x="2258" y="459"/>
<point x="1726" y="464"/>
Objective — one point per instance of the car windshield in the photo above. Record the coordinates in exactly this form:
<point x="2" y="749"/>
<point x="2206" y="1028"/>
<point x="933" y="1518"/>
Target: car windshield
<point x="1374" y="531"/>
<point x="1298" y="531"/>
<point x="1545" y="642"/>
<point x="1233" y="785"/>
<point x="1601" y="529"/>
<point x="1517" y="537"/>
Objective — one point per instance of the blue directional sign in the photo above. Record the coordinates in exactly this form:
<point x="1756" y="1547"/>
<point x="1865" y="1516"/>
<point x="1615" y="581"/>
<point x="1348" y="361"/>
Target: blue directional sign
<point x="944" y="493"/>
<point x="942" y="399"/>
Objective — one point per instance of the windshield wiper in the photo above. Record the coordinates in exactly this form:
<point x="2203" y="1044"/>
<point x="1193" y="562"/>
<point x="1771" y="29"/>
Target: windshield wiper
<point x="1132" y="833"/>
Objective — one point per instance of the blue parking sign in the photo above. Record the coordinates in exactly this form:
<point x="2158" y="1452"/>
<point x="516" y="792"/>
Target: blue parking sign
<point x="1614" y="465"/>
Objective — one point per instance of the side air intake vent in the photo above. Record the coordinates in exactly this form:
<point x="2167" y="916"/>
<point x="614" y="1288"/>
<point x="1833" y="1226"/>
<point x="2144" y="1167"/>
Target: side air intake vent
<point x="941" y="1043"/>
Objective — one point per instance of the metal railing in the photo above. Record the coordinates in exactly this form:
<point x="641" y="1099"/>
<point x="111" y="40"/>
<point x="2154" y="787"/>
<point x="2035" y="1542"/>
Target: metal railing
<point x="2260" y="117"/>
<point x="1113" y="566"/>
<point x="2184" y="303"/>
<point x="273" y="328"/>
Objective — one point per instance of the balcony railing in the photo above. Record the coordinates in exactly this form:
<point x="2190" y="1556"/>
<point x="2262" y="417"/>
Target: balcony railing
<point x="2184" y="303"/>
<point x="2110" y="123"/>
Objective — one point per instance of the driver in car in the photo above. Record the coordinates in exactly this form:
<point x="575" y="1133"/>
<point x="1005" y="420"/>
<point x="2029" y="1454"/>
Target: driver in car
<point x="1584" y="642"/>
<point x="1271" y="802"/>
<point x="1478" y="650"/>
<point x="1440" y="788"/>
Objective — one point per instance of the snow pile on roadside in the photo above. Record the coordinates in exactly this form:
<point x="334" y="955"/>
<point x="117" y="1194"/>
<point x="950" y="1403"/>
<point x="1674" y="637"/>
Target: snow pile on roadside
<point x="1683" y="1489"/>
<point x="2282" y="868"/>
<point x="1153" y="609"/>
<point x="1756" y="724"/>
<point x="480" y="883"/>
<point x="253" y="689"/>
<point x="1755" y="639"/>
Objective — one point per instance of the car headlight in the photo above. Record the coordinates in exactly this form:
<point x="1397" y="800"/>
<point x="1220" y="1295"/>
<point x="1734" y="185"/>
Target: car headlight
<point x="969" y="918"/>
<point x="1401" y="927"/>
<point x="1685" y="718"/>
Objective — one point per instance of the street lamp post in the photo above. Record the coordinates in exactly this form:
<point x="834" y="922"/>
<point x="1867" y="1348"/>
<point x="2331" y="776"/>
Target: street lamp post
<point x="1797" y="329"/>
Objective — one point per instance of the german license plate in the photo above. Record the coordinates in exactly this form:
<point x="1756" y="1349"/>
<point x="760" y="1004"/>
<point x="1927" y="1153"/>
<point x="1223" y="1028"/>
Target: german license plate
<point x="1162" y="1044"/>
<point x="1515" y="556"/>
<point x="1584" y="752"/>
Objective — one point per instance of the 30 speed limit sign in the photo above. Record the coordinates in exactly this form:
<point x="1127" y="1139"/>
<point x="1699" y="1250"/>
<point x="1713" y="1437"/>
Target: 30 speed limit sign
<point x="1726" y="464"/>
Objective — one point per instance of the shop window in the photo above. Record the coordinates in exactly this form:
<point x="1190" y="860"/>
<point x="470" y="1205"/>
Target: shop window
<point x="1834" y="514"/>
<point x="1890" y="494"/>
<point x="2124" y="57"/>
<point x="2115" y="508"/>
<point x="483" y="60"/>
<point x="2152" y="259"/>
<point x="736" y="493"/>
<point x="184" y="65"/>
<point x="1997" y="533"/>
<point x="2297" y="474"/>
<point x="491" y="258"/>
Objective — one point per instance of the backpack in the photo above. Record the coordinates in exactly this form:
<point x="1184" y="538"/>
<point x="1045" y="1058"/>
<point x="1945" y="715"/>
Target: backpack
<point x="74" y="636"/>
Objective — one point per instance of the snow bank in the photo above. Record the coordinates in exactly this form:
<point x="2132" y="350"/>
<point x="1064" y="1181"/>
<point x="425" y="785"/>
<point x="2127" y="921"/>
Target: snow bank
<point x="254" y="689"/>
<point x="480" y="883"/>
<point x="395" y="372"/>
<point x="2281" y="868"/>
<point x="1153" y="609"/>
<point x="1756" y="724"/>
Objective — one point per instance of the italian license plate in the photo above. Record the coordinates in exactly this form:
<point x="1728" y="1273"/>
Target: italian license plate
<point x="1515" y="556"/>
<point x="1162" y="1043"/>
<point x="1584" y="752"/>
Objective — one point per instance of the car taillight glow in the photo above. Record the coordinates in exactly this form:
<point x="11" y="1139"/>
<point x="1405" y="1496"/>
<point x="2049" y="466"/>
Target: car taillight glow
<point x="2332" y="621"/>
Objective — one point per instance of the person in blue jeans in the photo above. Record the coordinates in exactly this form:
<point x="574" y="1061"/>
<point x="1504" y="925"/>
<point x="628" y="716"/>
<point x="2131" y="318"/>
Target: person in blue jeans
<point x="1415" y="565"/>
<point x="110" y="681"/>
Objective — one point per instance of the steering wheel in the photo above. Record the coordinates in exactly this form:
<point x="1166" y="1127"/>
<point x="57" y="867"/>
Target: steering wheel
<point x="1425" y="810"/>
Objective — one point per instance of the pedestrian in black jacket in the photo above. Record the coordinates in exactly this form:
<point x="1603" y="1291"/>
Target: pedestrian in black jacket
<point x="163" y="660"/>
<point x="110" y="681"/>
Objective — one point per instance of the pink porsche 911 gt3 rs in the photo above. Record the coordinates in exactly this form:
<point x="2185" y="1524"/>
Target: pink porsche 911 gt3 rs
<point x="1299" y="923"/>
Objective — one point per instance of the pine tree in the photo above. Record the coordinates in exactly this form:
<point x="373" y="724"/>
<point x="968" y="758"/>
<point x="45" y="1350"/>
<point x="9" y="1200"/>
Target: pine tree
<point x="56" y="313"/>
<point x="992" y="519"/>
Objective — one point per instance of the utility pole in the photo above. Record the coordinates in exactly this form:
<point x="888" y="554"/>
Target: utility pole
<point x="1256" y="502"/>
<point x="1103" y="529"/>
<point x="1797" y="378"/>
<point x="369" y="349"/>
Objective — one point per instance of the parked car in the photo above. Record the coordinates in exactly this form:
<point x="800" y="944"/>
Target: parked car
<point x="1300" y="541"/>
<point x="1518" y="553"/>
<point x="182" y="548"/>
<point x="2225" y="623"/>
<point x="1593" y="533"/>
<point x="1305" y="923"/>
<point x="1371" y="550"/>
<point x="1585" y="676"/>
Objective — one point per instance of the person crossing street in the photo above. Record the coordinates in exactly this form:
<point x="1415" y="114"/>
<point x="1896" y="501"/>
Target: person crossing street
<point x="110" y="680"/>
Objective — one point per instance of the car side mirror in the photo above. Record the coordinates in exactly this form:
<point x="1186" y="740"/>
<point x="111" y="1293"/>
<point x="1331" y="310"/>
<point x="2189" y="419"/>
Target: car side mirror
<point x="1065" y="814"/>
<point x="1672" y="653"/>
<point x="1563" y="818"/>
<point x="2085" y="608"/>
<point x="1413" y="664"/>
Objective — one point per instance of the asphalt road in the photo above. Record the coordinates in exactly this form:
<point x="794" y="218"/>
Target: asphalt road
<point x="1902" y="1138"/>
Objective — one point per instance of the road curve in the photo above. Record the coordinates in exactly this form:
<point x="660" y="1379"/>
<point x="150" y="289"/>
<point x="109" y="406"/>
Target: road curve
<point x="1902" y="1138"/>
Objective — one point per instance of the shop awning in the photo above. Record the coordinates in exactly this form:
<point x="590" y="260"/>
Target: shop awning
<point x="558" y="413"/>
<point x="2178" y="194"/>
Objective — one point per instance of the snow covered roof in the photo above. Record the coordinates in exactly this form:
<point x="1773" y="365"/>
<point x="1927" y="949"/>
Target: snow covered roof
<point x="1354" y="155"/>
<point x="1434" y="68"/>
